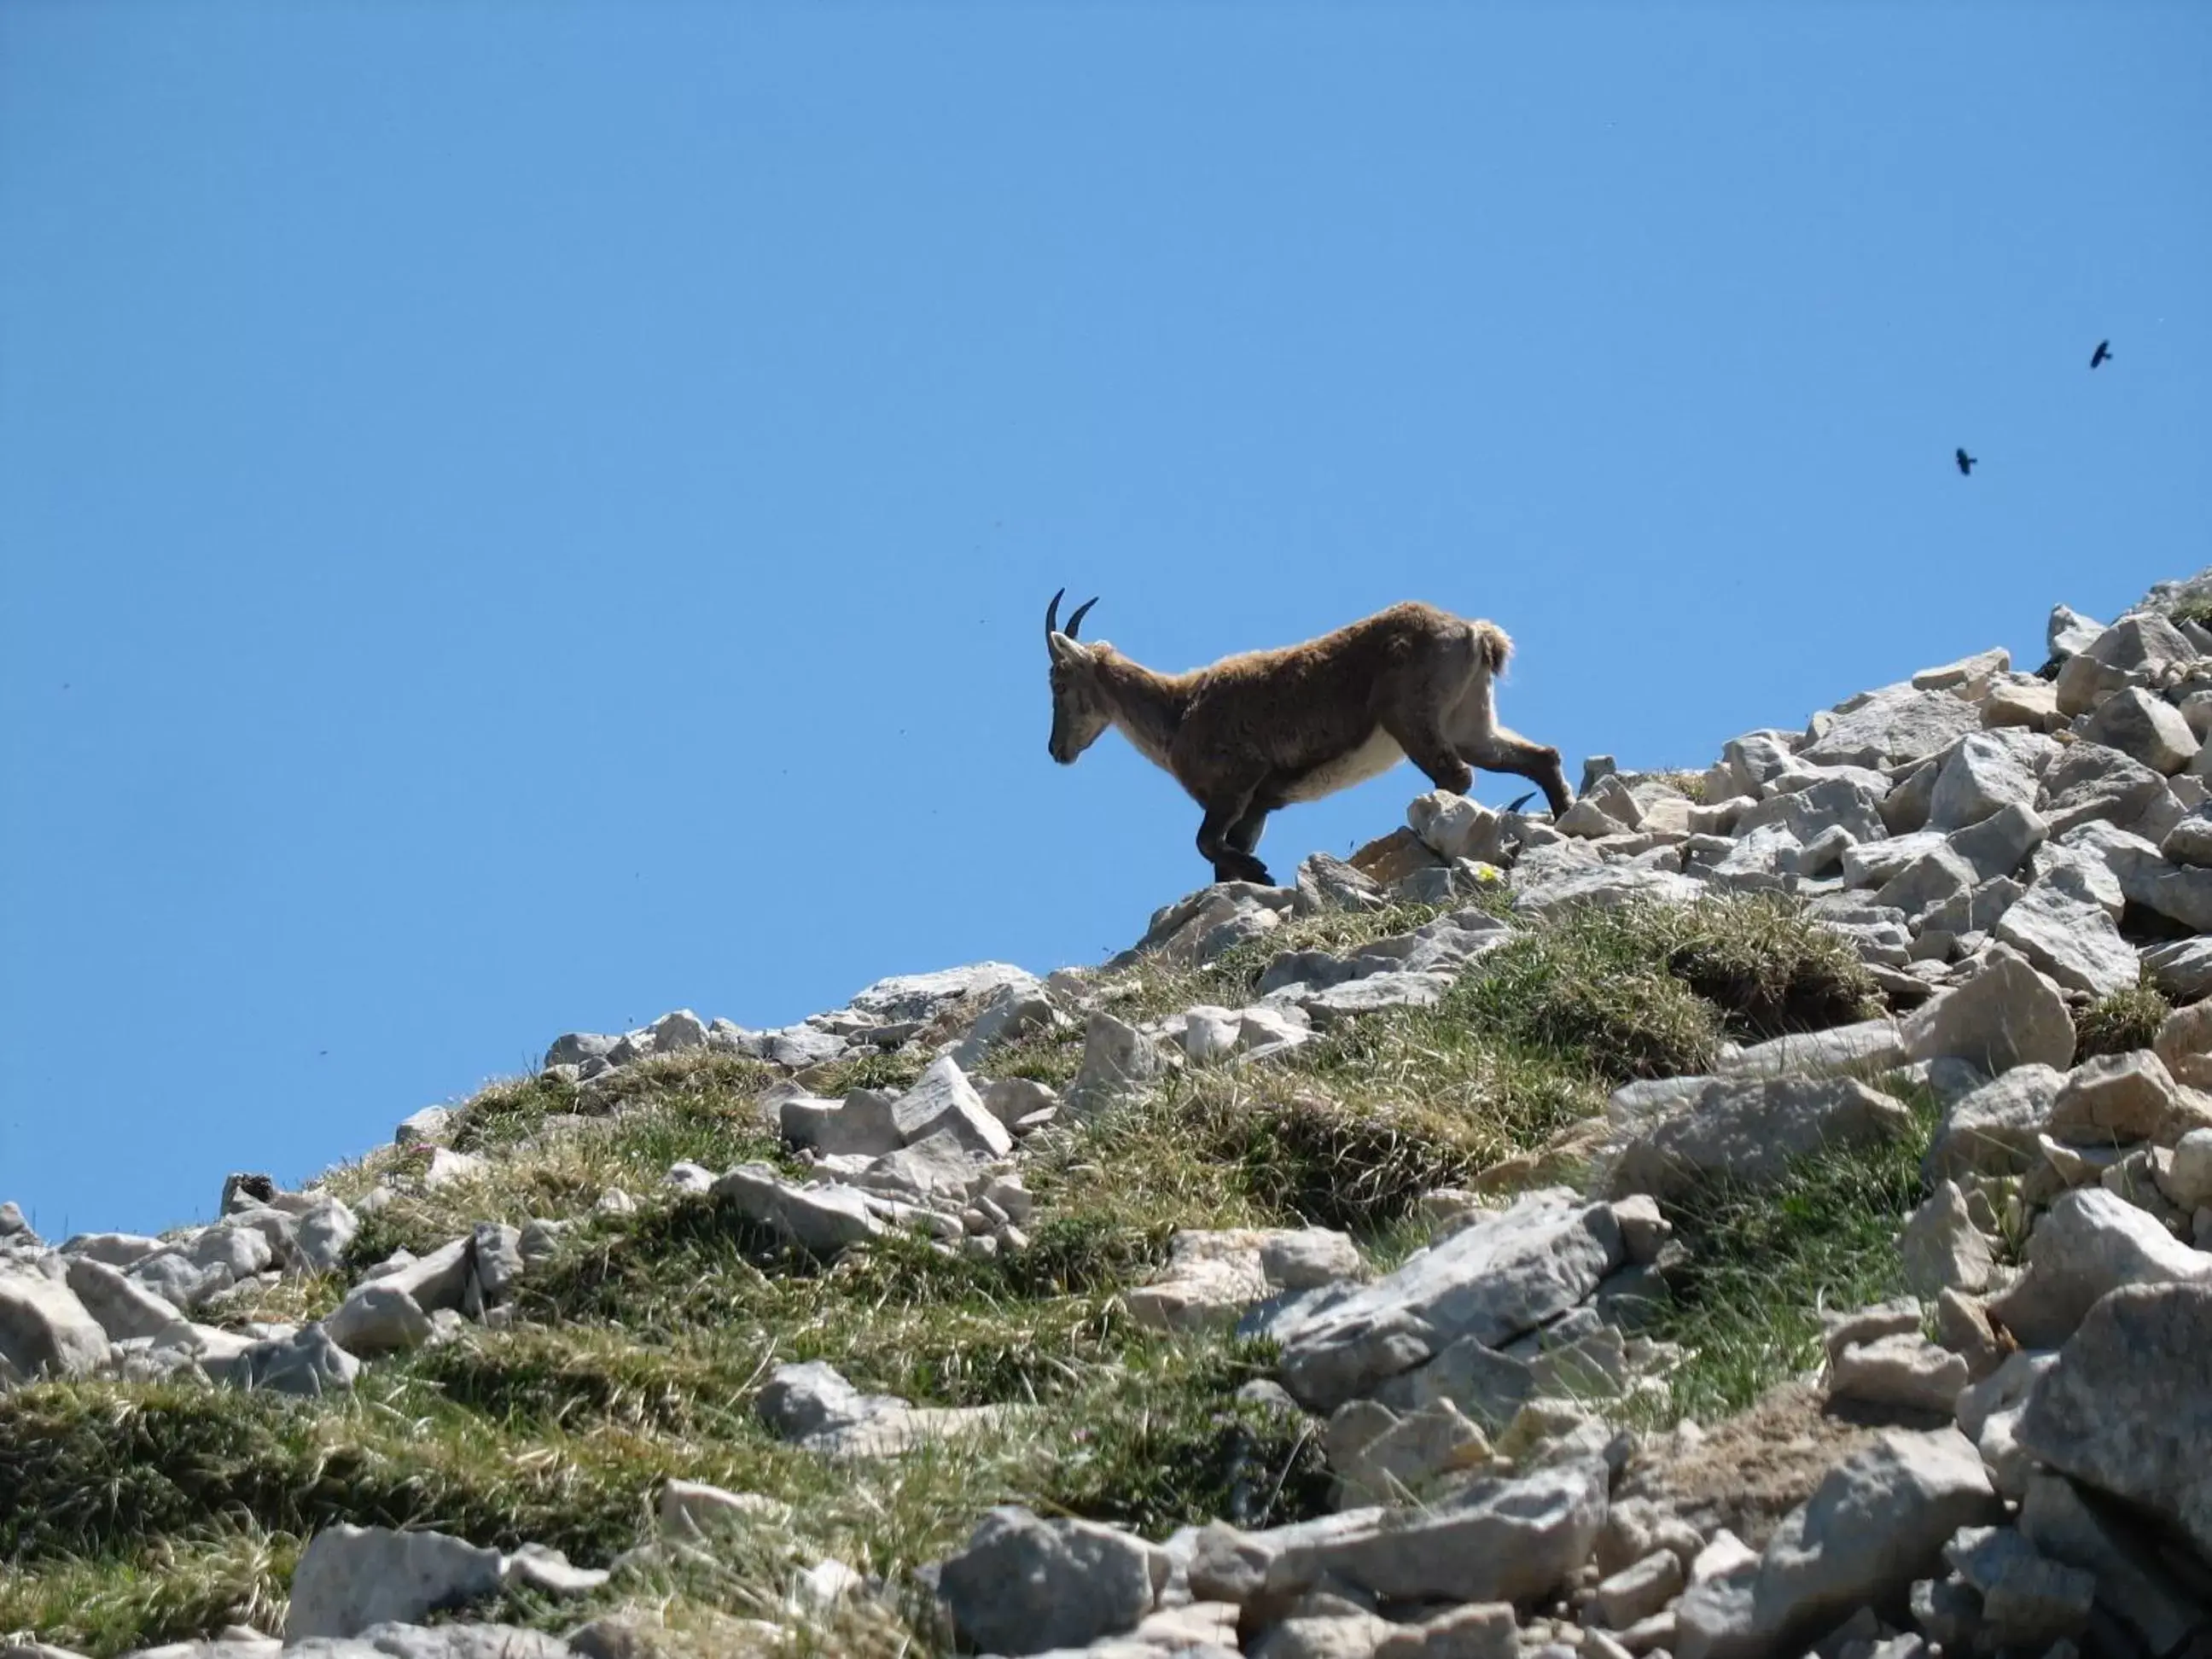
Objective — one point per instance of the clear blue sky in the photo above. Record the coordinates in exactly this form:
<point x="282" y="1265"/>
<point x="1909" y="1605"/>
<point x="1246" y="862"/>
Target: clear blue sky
<point x="520" y="518"/>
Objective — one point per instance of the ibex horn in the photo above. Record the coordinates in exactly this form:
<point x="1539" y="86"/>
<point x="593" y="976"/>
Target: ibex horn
<point x="1075" y="622"/>
<point x="1052" y="613"/>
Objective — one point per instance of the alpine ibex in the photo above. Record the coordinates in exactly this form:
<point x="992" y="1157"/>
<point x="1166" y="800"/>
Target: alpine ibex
<point x="1258" y="730"/>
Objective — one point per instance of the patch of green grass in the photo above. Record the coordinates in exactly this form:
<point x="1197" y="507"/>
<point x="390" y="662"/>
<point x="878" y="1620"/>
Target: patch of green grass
<point x="144" y="1512"/>
<point x="100" y="1469"/>
<point x="1683" y="782"/>
<point x="2119" y="1022"/>
<point x="1644" y="991"/>
<point x="1306" y="1158"/>
<point x="1051" y="1058"/>
<point x="148" y="1512"/>
<point x="504" y="1113"/>
<point x="294" y="1300"/>
<point x="1180" y="1446"/>
<point x="1352" y="1128"/>
<point x="699" y="1107"/>
<point x="892" y="1072"/>
<point x="897" y="1318"/>
<point x="1762" y="1265"/>
<point x="531" y="1379"/>
<point x="1592" y="991"/>
<point x="1319" y="1149"/>
<point x="1768" y="967"/>
<point x="168" y="1589"/>
<point x="2198" y="610"/>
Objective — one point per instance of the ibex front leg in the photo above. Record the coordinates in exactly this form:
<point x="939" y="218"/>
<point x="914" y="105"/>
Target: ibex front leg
<point x="1229" y="818"/>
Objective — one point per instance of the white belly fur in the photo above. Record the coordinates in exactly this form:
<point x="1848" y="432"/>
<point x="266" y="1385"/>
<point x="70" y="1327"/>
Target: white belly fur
<point x="1371" y="759"/>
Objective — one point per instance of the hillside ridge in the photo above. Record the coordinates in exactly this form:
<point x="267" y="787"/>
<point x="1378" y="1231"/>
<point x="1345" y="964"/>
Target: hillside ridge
<point x="1761" y="1212"/>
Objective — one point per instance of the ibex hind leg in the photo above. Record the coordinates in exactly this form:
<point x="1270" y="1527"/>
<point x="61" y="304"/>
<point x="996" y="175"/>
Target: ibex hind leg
<point x="1428" y="747"/>
<point x="1244" y="834"/>
<point x="1501" y="751"/>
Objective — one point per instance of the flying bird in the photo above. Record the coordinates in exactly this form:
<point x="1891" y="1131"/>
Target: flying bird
<point x="1966" y="462"/>
<point x="2104" y="351"/>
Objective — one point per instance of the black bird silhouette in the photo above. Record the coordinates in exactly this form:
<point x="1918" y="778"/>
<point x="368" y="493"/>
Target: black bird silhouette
<point x="2104" y="351"/>
<point x="1966" y="462"/>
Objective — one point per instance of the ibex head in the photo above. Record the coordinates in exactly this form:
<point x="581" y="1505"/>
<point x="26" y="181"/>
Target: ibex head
<point x="1079" y="712"/>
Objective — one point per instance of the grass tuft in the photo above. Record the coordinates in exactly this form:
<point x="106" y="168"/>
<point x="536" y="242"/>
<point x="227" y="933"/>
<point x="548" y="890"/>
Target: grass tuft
<point x="2120" y="1023"/>
<point x="1593" y="990"/>
<point x="167" y="1589"/>
<point x="1770" y="969"/>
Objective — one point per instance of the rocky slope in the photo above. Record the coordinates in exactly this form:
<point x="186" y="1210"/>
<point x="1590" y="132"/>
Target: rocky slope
<point x="1763" y="1212"/>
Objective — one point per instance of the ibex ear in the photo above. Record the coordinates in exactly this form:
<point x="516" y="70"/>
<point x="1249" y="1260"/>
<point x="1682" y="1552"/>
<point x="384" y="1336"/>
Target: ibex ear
<point x="1067" y="651"/>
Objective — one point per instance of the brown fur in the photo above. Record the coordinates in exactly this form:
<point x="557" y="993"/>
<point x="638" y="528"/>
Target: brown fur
<point x="1257" y="731"/>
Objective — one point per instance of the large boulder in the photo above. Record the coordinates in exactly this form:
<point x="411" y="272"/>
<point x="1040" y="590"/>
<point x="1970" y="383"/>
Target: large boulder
<point x="1994" y="1129"/>
<point x="1892" y="726"/>
<point x="2091" y="783"/>
<point x="326" y="1227"/>
<point x="1195" y="926"/>
<point x="2184" y="1043"/>
<point x="2115" y="1098"/>
<point x="437" y="1280"/>
<point x="377" y="1317"/>
<point x="1861" y="1049"/>
<point x="2179" y="892"/>
<point x="1748" y="1132"/>
<point x="2069" y="633"/>
<point x="2135" y="646"/>
<point x="44" y="1329"/>
<point x="1983" y="775"/>
<point x="1453" y="827"/>
<point x="2182" y="969"/>
<point x="1877" y="1521"/>
<point x="1598" y="887"/>
<point x="2144" y="728"/>
<point x="916" y="999"/>
<point x="862" y="1124"/>
<point x="1941" y="1248"/>
<point x="2128" y="1407"/>
<point x="1118" y="1060"/>
<point x="1500" y="1276"/>
<point x="350" y="1577"/>
<point x="1025" y="1585"/>
<point x="820" y="1219"/>
<point x="122" y="1307"/>
<point x="943" y="1101"/>
<point x="801" y="1401"/>
<point x="308" y="1362"/>
<point x="2090" y="1243"/>
<point x="1496" y="1540"/>
<point x="2074" y="941"/>
<point x="2006" y="1015"/>
<point x="1211" y="1276"/>
<point x="2131" y="1582"/>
